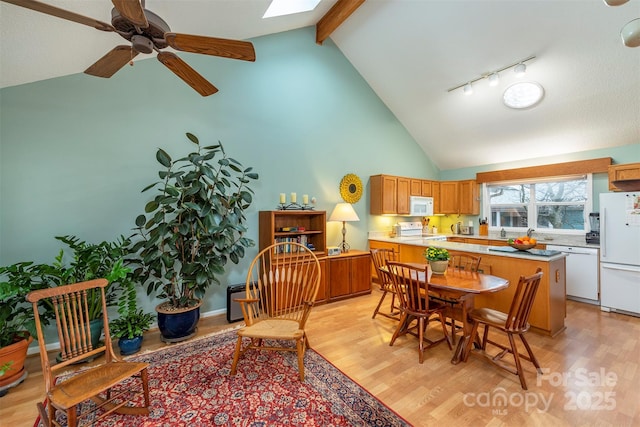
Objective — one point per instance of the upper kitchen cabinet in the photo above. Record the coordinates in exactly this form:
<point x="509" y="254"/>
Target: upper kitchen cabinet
<point x="459" y="197"/>
<point x="421" y="187"/>
<point x="389" y="195"/>
<point x="624" y="177"/>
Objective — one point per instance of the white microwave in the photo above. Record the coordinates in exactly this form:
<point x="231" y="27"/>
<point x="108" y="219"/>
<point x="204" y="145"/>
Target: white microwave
<point x="420" y="206"/>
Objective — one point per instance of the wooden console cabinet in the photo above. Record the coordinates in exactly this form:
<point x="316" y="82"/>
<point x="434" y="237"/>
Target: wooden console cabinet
<point x="348" y="275"/>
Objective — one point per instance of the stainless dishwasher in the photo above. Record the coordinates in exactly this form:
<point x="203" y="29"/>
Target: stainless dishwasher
<point x="583" y="274"/>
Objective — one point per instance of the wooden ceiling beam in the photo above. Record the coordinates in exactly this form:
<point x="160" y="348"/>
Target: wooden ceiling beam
<point x="334" y="17"/>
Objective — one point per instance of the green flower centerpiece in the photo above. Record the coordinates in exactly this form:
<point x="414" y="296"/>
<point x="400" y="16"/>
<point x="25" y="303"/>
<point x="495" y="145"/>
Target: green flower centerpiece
<point x="438" y="259"/>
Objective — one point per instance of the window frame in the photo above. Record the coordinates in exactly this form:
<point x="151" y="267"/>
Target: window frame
<point x="532" y="205"/>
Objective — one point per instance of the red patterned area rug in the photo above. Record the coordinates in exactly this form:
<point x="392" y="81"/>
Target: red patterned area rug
<point x="190" y="385"/>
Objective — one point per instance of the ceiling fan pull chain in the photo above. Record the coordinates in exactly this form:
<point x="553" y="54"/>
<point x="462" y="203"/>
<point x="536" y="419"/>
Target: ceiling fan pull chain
<point x="131" y="61"/>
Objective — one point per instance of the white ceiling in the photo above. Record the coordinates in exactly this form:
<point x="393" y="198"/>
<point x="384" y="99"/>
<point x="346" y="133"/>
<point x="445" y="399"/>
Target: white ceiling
<point x="411" y="52"/>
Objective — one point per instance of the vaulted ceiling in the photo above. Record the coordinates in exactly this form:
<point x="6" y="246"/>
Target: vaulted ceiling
<point x="411" y="52"/>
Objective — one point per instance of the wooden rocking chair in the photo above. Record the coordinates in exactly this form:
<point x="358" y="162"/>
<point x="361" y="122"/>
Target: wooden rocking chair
<point x="103" y="383"/>
<point x="281" y="288"/>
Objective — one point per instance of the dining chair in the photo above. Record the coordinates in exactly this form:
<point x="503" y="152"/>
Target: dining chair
<point x="461" y="262"/>
<point x="109" y="383"/>
<point x="515" y="322"/>
<point x="412" y="289"/>
<point x="380" y="257"/>
<point x="281" y="288"/>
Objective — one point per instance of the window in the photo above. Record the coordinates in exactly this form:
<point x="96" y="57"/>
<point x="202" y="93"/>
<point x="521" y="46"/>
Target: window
<point x="552" y="204"/>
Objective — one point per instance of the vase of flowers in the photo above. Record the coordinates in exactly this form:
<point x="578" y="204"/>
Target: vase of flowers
<point x="438" y="259"/>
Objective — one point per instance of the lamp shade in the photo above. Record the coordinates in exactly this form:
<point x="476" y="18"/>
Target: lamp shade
<point x="344" y="212"/>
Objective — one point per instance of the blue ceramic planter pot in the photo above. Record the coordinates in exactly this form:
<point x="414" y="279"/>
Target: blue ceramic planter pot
<point x="178" y="325"/>
<point x="130" y="346"/>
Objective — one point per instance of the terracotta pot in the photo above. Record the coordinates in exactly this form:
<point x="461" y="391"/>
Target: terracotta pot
<point x="438" y="267"/>
<point x="177" y="325"/>
<point x="15" y="354"/>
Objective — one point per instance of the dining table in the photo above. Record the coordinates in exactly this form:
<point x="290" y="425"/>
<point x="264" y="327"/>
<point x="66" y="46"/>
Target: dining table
<point x="458" y="288"/>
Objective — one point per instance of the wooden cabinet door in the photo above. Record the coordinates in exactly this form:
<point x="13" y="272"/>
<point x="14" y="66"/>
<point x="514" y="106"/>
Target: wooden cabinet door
<point x="339" y="277"/>
<point x="426" y="188"/>
<point x="360" y="274"/>
<point x="468" y="200"/>
<point x="448" y="197"/>
<point x="416" y="187"/>
<point x="383" y="194"/>
<point x="622" y="172"/>
<point x="402" y="199"/>
<point x="323" y="295"/>
<point x="435" y="189"/>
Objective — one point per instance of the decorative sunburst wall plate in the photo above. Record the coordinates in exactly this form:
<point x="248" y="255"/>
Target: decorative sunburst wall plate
<point x="351" y="188"/>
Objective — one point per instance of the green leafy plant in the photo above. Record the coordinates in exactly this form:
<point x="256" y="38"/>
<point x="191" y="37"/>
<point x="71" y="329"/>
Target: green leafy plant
<point x="436" y="254"/>
<point x="196" y="223"/>
<point x="131" y="325"/>
<point x="16" y="314"/>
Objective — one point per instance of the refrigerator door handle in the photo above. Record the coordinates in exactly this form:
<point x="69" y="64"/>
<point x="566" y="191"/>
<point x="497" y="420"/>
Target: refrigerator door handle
<point x="603" y="241"/>
<point x="620" y="267"/>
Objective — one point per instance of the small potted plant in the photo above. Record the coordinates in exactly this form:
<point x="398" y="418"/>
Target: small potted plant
<point x="438" y="259"/>
<point x="129" y="330"/>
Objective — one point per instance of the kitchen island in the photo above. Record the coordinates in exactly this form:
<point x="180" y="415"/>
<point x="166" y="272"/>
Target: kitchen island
<point x="549" y="310"/>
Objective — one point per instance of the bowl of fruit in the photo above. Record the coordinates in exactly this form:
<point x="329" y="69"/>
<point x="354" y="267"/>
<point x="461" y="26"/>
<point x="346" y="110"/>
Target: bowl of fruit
<point x="522" y="243"/>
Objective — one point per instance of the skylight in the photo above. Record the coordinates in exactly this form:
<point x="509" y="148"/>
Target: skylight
<point x="288" y="7"/>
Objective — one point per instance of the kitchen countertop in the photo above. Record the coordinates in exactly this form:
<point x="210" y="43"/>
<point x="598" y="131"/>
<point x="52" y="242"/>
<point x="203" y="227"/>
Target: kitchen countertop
<point x="577" y="241"/>
<point x="465" y="247"/>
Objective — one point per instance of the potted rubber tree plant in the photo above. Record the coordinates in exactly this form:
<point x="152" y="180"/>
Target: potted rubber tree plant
<point x="192" y="227"/>
<point x="17" y="320"/>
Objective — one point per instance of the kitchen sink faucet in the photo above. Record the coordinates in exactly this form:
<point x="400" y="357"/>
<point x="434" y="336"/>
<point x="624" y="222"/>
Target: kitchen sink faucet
<point x="530" y="232"/>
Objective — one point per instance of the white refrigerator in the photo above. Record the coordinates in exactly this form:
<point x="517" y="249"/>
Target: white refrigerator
<point x="620" y="252"/>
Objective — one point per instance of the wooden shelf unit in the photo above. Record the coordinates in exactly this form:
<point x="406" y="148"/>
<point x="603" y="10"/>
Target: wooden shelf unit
<point x="314" y="223"/>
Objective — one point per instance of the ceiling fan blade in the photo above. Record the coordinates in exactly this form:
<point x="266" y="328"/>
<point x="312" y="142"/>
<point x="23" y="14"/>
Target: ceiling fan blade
<point x="117" y="58"/>
<point x="132" y="11"/>
<point x="186" y="73"/>
<point x="61" y="13"/>
<point x="234" y="49"/>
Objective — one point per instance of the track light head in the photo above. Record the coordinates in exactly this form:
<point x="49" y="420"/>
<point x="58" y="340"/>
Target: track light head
<point x="467" y="89"/>
<point x="494" y="79"/>
<point x="520" y="69"/>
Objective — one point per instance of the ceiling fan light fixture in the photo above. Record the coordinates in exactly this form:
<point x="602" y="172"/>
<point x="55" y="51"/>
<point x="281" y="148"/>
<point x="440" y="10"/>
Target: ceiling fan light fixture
<point x="523" y="95"/>
<point x="467" y="89"/>
<point x="630" y="33"/>
<point x="520" y="69"/>
<point x="494" y="79"/>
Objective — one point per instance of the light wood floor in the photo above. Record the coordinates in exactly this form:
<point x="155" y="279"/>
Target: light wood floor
<point x="593" y="375"/>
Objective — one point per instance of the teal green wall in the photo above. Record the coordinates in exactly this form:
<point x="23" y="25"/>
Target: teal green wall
<point x="76" y="151"/>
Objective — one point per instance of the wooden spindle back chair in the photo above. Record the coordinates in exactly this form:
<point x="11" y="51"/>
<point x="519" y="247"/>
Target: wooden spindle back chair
<point x="515" y="322"/>
<point x="281" y="288"/>
<point x="106" y="383"/>
<point x="412" y="288"/>
<point x="380" y="258"/>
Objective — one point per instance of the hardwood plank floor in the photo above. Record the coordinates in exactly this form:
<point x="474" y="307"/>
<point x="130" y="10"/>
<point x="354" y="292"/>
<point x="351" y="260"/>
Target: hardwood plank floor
<point x="592" y="371"/>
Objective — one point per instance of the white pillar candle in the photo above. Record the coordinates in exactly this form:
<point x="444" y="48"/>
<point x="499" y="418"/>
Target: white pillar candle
<point x="293" y="197"/>
<point x="305" y="199"/>
<point x="283" y="198"/>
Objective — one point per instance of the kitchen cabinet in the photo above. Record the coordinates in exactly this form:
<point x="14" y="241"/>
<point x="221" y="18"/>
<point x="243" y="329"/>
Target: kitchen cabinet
<point x="389" y="195"/>
<point x="623" y="172"/>
<point x="421" y="187"/>
<point x="459" y="197"/>
<point x="349" y="275"/>
<point x="449" y="197"/>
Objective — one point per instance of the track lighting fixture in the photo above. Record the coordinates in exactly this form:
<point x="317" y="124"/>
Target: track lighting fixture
<point x="520" y="69"/>
<point x="493" y="76"/>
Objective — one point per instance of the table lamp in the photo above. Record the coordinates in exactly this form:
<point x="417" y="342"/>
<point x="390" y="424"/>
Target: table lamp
<point x="344" y="212"/>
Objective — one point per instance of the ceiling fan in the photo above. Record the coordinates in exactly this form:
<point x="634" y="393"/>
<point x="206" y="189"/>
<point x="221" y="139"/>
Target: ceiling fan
<point x="148" y="32"/>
